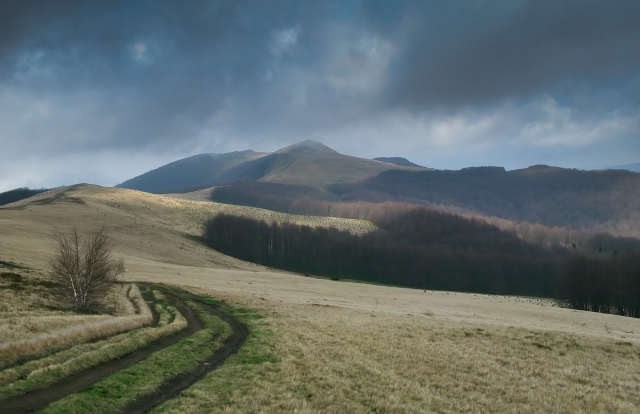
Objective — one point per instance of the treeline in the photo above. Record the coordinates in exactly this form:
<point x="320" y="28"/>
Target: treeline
<point x="602" y="283"/>
<point x="18" y="194"/>
<point x="420" y="248"/>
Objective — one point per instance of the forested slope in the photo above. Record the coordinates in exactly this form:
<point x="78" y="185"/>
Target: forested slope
<point x="602" y="200"/>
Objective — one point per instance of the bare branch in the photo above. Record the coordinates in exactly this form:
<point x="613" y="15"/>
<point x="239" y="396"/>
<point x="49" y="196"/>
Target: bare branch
<point x="84" y="267"/>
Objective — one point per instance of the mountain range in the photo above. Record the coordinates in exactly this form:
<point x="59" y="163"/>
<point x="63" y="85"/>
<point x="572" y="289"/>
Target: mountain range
<point x="297" y="178"/>
<point x="304" y="163"/>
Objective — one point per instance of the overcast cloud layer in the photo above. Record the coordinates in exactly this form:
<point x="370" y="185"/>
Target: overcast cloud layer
<point x="103" y="91"/>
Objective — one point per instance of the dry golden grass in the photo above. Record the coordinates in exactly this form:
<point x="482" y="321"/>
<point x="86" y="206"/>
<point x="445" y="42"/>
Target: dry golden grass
<point x="23" y="324"/>
<point x="140" y="224"/>
<point x="335" y="360"/>
<point x="68" y="330"/>
<point x="350" y="347"/>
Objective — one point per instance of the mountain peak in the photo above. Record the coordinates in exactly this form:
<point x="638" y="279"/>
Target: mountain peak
<point x="307" y="147"/>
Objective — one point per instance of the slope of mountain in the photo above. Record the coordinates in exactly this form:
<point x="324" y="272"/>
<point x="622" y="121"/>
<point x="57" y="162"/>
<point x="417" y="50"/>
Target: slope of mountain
<point x="196" y="171"/>
<point x="390" y="329"/>
<point x="635" y="167"/>
<point x="398" y="161"/>
<point x="305" y="163"/>
<point x="607" y="200"/>
<point x="313" y="164"/>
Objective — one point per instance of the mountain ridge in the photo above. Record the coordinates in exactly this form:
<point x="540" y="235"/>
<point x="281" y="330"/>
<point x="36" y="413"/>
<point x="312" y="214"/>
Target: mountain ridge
<point x="304" y="163"/>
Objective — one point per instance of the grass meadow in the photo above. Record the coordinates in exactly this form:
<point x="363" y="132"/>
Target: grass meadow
<point x="318" y="345"/>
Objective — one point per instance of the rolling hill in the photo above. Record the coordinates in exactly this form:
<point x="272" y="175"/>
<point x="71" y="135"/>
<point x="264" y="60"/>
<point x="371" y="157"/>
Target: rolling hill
<point x="320" y="345"/>
<point x="398" y="161"/>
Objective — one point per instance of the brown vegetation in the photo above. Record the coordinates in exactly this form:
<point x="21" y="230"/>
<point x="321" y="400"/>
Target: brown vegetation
<point x="605" y="201"/>
<point x="83" y="268"/>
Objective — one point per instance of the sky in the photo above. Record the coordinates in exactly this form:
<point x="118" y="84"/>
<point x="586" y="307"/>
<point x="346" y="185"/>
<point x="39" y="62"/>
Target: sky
<point x="102" y="91"/>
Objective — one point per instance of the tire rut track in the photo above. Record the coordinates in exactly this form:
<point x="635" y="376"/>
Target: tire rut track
<point x="172" y="388"/>
<point x="38" y="399"/>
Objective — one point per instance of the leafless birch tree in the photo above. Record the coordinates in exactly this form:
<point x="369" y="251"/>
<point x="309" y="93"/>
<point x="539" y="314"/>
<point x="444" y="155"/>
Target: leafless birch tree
<point x="83" y="267"/>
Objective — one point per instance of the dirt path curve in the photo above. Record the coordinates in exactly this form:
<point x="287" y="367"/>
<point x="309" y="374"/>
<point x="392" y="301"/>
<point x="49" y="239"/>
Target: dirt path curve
<point x="170" y="389"/>
<point x="38" y="399"/>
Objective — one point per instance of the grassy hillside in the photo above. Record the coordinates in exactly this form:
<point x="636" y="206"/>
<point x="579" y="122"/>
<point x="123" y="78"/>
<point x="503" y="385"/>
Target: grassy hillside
<point x="318" y="345"/>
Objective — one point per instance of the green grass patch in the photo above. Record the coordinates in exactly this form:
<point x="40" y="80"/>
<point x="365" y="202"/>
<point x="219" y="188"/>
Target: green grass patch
<point x="220" y="388"/>
<point x="116" y="391"/>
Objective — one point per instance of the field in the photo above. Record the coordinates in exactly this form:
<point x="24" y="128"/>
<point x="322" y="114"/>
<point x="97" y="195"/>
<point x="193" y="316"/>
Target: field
<point x="317" y="345"/>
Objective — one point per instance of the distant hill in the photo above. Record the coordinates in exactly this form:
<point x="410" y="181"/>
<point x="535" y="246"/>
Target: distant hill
<point x="305" y="163"/>
<point x="605" y="200"/>
<point x="629" y="167"/>
<point x="398" y="161"/>
<point x="18" y="194"/>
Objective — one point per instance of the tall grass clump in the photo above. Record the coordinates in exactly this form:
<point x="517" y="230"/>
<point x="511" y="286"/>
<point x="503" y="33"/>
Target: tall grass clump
<point x="43" y="344"/>
<point x="48" y="370"/>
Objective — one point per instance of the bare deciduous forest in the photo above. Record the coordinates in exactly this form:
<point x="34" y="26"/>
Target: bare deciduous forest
<point x="423" y="248"/>
<point x="430" y="249"/>
<point x="602" y="283"/>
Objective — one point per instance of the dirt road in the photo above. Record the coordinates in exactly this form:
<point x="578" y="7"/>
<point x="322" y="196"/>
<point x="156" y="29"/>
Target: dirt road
<point x="38" y="399"/>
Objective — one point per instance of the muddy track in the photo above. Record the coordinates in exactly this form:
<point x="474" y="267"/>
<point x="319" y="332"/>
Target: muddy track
<point x="172" y="388"/>
<point x="38" y="399"/>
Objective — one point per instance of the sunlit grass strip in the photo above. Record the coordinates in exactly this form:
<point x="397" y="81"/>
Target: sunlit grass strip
<point x="45" y="344"/>
<point x="118" y="390"/>
<point x="220" y="387"/>
<point x="49" y="370"/>
<point x="22" y="371"/>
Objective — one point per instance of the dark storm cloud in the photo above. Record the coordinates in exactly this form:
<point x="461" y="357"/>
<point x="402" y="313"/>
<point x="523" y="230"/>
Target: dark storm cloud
<point x="457" y="53"/>
<point x="180" y="60"/>
<point x="175" y="61"/>
<point x="155" y="80"/>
